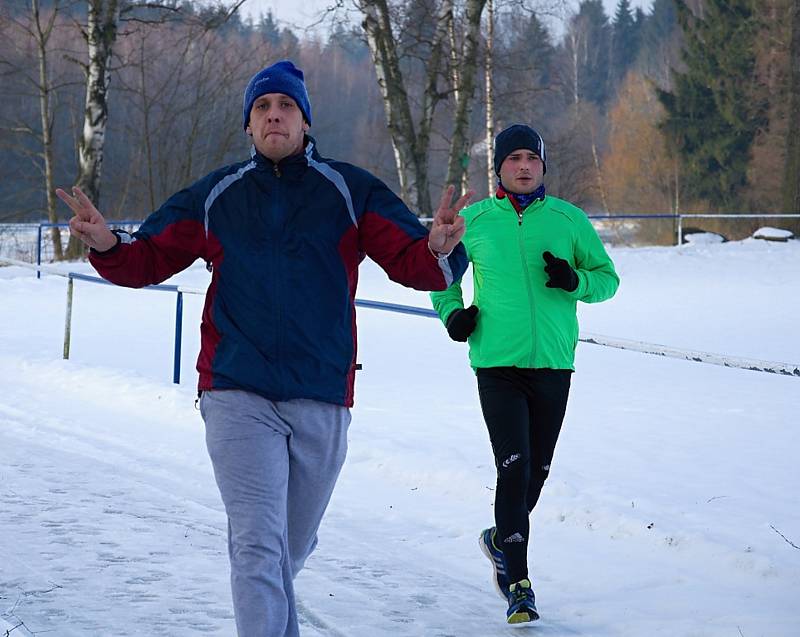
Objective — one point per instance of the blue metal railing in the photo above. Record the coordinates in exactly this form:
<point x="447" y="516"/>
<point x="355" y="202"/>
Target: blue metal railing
<point x="180" y="291"/>
<point x="787" y="369"/>
<point x="176" y="364"/>
<point x="394" y="307"/>
<point x="780" y="368"/>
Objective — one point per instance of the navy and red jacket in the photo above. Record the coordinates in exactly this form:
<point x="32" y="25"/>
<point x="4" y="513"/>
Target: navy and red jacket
<point x="284" y="242"/>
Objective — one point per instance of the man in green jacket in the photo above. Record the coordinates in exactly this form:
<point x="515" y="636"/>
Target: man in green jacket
<point x="533" y="258"/>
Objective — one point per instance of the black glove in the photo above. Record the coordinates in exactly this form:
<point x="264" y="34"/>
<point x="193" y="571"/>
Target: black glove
<point x="560" y="272"/>
<point x="461" y="323"/>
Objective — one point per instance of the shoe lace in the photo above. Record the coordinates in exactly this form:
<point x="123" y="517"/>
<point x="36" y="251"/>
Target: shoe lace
<point x="521" y="593"/>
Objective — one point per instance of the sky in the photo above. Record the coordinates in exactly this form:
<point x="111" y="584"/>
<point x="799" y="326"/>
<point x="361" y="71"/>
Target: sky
<point x="670" y="510"/>
<point x="307" y="11"/>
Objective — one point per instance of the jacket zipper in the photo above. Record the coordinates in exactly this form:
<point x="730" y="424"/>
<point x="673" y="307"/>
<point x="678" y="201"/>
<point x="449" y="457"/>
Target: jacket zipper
<point x="527" y="287"/>
<point x="278" y="267"/>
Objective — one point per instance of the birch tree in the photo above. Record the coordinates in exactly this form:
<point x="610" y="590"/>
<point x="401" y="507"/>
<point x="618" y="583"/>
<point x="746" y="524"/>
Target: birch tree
<point x="100" y="34"/>
<point x="460" y="142"/>
<point x="410" y="139"/>
<point x="488" y="72"/>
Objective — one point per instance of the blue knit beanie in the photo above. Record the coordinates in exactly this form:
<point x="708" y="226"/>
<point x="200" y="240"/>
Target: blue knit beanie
<point x="282" y="77"/>
<point x="516" y="137"/>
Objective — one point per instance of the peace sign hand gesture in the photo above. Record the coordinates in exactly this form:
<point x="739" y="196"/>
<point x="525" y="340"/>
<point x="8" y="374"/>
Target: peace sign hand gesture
<point x="87" y="224"/>
<point x="448" y="227"/>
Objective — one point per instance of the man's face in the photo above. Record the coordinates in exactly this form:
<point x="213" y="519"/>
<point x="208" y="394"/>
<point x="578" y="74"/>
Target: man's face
<point x="521" y="172"/>
<point x="277" y="126"/>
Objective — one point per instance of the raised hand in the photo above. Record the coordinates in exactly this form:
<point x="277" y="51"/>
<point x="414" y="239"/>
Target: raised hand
<point x="87" y="224"/>
<point x="448" y="227"/>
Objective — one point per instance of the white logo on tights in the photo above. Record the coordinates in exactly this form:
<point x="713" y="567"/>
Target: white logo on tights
<point x="510" y="459"/>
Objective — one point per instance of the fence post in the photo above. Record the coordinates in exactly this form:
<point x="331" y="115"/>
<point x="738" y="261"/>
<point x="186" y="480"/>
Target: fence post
<point x="68" y="319"/>
<point x="39" y="251"/>
<point x="176" y="373"/>
<point x="680" y="229"/>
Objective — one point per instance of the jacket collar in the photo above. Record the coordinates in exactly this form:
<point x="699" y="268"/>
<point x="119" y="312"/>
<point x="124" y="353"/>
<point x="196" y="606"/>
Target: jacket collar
<point x="291" y="166"/>
<point x="502" y="194"/>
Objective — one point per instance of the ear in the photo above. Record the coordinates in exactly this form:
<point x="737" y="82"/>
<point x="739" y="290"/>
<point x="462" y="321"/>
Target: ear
<point x="306" y="126"/>
<point x="248" y="130"/>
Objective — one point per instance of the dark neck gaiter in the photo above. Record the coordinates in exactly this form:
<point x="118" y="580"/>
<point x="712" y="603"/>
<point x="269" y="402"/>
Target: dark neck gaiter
<point x="520" y="202"/>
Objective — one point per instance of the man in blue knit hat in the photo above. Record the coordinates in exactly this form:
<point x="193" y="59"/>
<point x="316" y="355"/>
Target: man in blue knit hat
<point x="281" y="232"/>
<point x="275" y="138"/>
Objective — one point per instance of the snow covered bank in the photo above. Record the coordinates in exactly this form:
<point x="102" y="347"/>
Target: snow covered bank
<point x="661" y="517"/>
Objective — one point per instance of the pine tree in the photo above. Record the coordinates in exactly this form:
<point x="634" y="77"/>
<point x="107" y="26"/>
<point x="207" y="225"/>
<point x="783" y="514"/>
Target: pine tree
<point x="658" y="41"/>
<point x="524" y="72"/>
<point x="625" y="40"/>
<point x="539" y="47"/>
<point x="714" y="108"/>
<point x="268" y="28"/>
<point x="587" y="49"/>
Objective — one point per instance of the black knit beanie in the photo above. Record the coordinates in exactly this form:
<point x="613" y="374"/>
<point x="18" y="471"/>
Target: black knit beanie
<point x="513" y="138"/>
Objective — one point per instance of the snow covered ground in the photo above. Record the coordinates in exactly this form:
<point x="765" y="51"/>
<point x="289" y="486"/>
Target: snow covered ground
<point x="672" y="484"/>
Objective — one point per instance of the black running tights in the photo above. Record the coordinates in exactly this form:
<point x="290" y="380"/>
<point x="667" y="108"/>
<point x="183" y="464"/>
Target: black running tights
<point x="523" y="410"/>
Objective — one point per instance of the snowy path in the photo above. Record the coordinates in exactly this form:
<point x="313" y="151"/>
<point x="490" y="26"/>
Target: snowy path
<point x="117" y="529"/>
<point x="100" y="533"/>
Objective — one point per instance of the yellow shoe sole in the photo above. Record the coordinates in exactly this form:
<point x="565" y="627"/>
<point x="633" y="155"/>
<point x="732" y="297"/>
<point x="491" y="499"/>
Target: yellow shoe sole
<point x="522" y="617"/>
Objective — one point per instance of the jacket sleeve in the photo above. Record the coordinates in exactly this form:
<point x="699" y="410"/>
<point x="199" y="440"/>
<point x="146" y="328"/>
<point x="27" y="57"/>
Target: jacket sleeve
<point x="169" y="241"/>
<point x="597" y="278"/>
<point x="447" y="301"/>
<point x="393" y="237"/>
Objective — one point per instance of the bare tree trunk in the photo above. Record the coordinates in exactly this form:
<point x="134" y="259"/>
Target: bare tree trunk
<point x="42" y="35"/>
<point x="383" y="47"/>
<point x="194" y="133"/>
<point x="411" y="147"/>
<point x="598" y="170"/>
<point x="148" y="146"/>
<point x="431" y="96"/>
<point x="677" y="170"/>
<point x="100" y="35"/>
<point x="454" y="71"/>
<point x="575" y="41"/>
<point x="458" y="161"/>
<point x="491" y="177"/>
<point x="791" y="181"/>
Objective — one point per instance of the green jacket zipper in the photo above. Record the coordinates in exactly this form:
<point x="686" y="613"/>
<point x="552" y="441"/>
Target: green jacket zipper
<point x="521" y="238"/>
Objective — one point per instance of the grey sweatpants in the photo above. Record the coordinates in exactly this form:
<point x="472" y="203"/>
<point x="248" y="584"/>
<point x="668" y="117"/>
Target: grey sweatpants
<point x="275" y="464"/>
